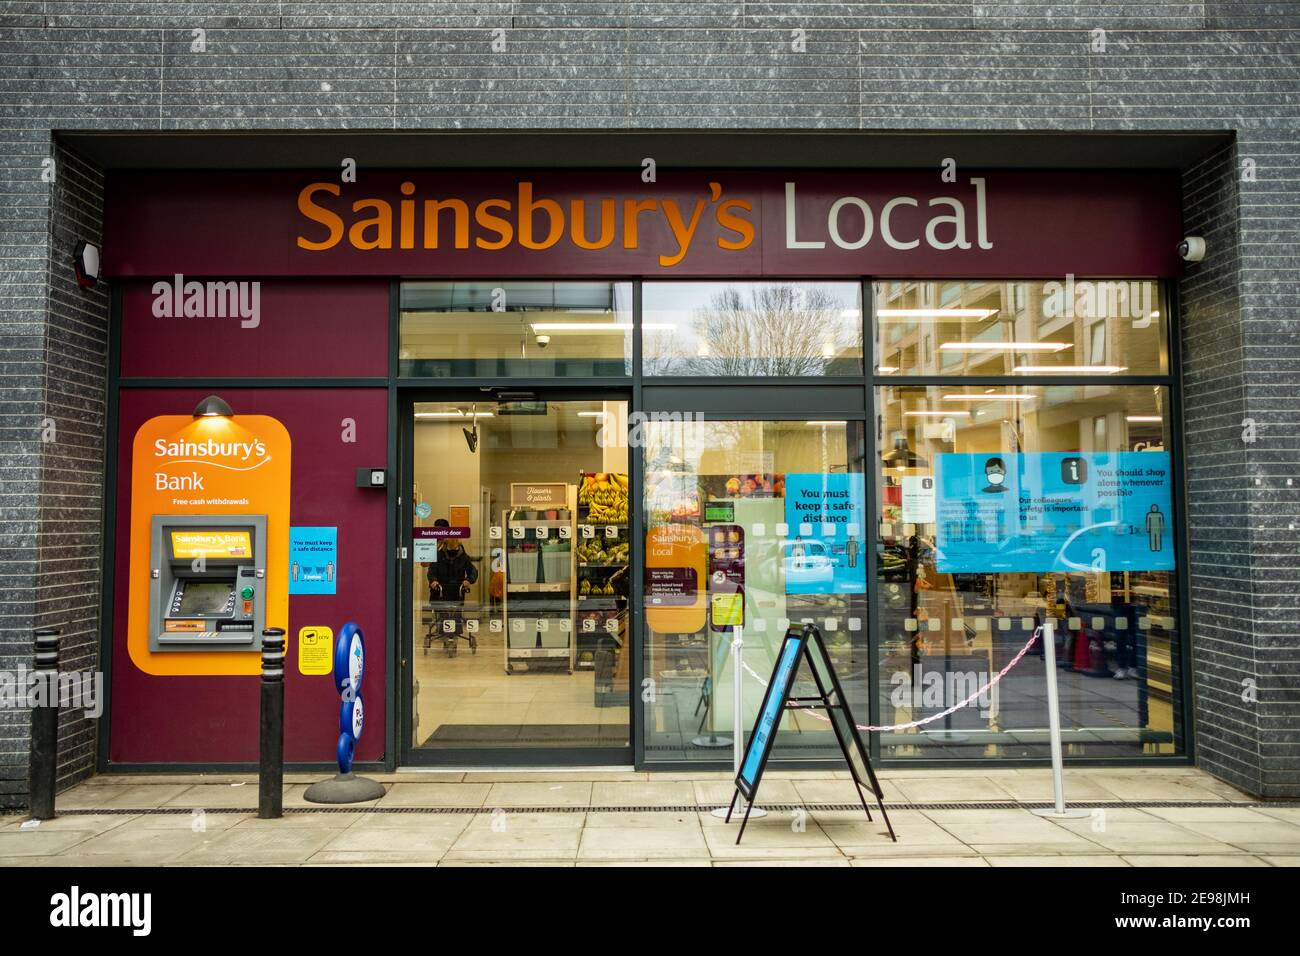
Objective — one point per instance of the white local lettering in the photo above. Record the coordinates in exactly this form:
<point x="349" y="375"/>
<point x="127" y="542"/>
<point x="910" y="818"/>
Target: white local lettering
<point x="942" y="232"/>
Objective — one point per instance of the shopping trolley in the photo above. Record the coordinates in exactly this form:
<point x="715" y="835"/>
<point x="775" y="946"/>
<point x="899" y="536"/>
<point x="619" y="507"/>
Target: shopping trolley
<point x="444" y="622"/>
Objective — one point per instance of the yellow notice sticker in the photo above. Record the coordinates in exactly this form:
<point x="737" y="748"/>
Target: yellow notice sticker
<point x="728" y="610"/>
<point x="315" y="651"/>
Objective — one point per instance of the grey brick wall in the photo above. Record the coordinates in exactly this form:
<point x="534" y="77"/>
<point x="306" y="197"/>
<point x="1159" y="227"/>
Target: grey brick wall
<point x="592" y="66"/>
<point x="70" y="570"/>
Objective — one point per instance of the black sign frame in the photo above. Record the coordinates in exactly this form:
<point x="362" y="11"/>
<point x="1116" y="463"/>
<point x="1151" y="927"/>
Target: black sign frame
<point x="830" y="698"/>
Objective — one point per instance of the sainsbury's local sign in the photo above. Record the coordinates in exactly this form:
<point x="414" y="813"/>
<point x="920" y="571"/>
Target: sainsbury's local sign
<point x="455" y="223"/>
<point x="588" y="224"/>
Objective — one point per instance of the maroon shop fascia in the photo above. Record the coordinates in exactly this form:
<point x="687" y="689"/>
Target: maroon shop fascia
<point x="183" y="247"/>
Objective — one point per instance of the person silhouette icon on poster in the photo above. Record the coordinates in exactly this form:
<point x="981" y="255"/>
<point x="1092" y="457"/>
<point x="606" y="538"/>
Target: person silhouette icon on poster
<point x="1156" y="528"/>
<point x="995" y="472"/>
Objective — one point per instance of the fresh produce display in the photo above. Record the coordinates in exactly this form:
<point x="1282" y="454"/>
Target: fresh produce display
<point x="590" y="588"/>
<point x="604" y="496"/>
<point x="745" y="486"/>
<point x="603" y="552"/>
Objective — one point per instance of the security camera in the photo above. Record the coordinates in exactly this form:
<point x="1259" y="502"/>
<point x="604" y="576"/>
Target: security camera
<point x="543" y="341"/>
<point x="1192" y="248"/>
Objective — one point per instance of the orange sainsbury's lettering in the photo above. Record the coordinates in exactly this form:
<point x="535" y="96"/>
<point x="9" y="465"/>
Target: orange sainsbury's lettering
<point x="737" y="224"/>
<point x="460" y="214"/>
<point x="381" y="222"/>
<point x="500" y="225"/>
<point x="578" y="224"/>
<point x="320" y="214"/>
<point x="527" y="207"/>
<point x="529" y="219"/>
<point x="632" y="208"/>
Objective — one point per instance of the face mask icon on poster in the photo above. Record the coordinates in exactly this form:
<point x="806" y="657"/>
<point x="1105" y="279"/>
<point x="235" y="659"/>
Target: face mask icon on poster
<point x="995" y="473"/>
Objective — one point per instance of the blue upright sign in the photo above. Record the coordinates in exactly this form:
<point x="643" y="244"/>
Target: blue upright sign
<point x="822" y="552"/>
<point x="1053" y="511"/>
<point x="773" y="705"/>
<point x="313" y="560"/>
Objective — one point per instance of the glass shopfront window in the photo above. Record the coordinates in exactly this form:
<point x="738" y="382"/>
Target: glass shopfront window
<point x="516" y="329"/>
<point x="1001" y="507"/>
<point x="1037" y="486"/>
<point x="758" y="524"/>
<point x="740" y="329"/>
<point x="992" y="327"/>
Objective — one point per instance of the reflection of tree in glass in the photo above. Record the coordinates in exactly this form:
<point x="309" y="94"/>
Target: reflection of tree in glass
<point x="767" y="329"/>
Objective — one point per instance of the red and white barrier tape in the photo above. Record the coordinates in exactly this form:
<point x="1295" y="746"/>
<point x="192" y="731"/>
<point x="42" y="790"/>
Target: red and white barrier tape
<point x="943" y="713"/>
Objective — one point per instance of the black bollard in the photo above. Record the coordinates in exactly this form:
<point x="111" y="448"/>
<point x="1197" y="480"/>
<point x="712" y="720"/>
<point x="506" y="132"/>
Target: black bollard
<point x="270" y="772"/>
<point x="45" y="727"/>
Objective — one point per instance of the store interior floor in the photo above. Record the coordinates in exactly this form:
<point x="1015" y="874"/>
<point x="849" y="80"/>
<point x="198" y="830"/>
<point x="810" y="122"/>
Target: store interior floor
<point x="468" y="700"/>
<point x="1154" y="816"/>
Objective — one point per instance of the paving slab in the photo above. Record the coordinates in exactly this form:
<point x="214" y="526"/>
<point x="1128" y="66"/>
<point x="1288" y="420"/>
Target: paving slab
<point x="646" y="818"/>
<point x="1179" y="861"/>
<point x="665" y="862"/>
<point x="1098" y="859"/>
<point x="131" y="844"/>
<point x="517" y="843"/>
<point x="429" y="844"/>
<point x="952" y="789"/>
<point x="642" y="793"/>
<point x="94" y="822"/>
<point x="260" y="846"/>
<point x="543" y="793"/>
<point x="974" y="861"/>
<point x="1266" y="836"/>
<point x="216" y="796"/>
<point x="435" y="795"/>
<point x="642" y="843"/>
<point x="794" y="861"/>
<point x="719" y="793"/>
<point x="41" y="842"/>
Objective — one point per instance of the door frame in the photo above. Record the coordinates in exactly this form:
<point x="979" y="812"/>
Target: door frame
<point x="410" y="755"/>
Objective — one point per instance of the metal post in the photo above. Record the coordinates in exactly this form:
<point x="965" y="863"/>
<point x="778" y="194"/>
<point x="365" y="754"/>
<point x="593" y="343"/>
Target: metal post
<point x="270" y="773"/>
<point x="1054" y="726"/>
<point x="45" y="727"/>
<point x="738" y="718"/>
<point x="737" y="699"/>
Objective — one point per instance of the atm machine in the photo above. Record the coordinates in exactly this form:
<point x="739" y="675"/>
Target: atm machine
<point x="207" y="587"/>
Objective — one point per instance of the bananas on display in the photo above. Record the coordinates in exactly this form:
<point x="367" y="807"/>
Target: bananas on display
<point x="604" y="496"/>
<point x="597" y="552"/>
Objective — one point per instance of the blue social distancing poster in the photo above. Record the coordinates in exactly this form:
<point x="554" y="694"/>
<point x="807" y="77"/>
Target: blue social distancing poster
<point x="313" y="560"/>
<point x="822" y="552"/>
<point x="1053" y="511"/>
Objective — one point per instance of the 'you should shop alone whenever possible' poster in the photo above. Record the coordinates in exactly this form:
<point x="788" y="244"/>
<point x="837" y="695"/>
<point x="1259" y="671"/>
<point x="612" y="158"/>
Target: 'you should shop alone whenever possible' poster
<point x="1053" y="511"/>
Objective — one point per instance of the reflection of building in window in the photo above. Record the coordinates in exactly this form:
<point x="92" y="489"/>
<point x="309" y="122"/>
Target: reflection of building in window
<point x="1103" y="322"/>
<point x="1097" y="339"/>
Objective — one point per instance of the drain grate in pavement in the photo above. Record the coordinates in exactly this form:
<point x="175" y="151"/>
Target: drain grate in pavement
<point x="695" y="808"/>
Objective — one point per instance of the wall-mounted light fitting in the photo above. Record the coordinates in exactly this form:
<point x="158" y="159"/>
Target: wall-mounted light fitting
<point x="85" y="260"/>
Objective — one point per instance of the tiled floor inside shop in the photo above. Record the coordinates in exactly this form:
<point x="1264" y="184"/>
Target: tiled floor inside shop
<point x="1148" y="817"/>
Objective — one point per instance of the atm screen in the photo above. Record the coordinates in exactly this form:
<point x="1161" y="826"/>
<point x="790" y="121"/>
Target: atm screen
<point x="205" y="598"/>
